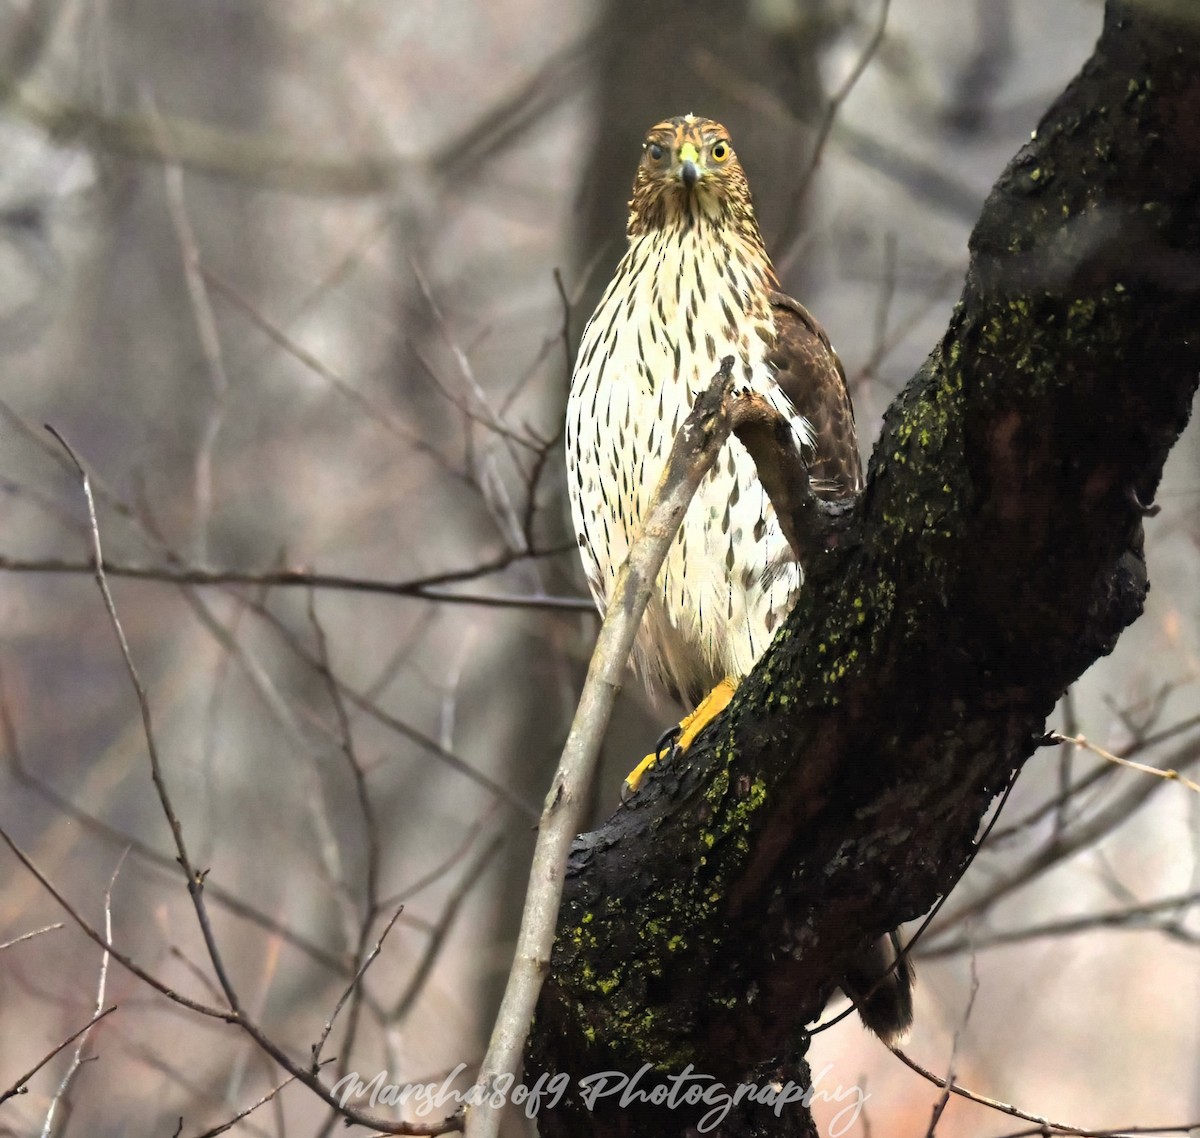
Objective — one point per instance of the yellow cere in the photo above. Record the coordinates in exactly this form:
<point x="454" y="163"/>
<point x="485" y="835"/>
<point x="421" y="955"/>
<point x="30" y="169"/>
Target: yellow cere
<point x="688" y="153"/>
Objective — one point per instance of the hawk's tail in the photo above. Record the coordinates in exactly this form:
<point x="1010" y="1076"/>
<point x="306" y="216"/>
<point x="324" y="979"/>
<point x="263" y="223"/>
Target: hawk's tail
<point x="880" y="981"/>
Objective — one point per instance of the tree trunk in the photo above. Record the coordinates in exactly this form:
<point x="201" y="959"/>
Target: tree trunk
<point x="998" y="553"/>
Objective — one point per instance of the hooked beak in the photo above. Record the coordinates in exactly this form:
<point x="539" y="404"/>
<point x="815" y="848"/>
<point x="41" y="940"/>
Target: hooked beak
<point x="689" y="165"/>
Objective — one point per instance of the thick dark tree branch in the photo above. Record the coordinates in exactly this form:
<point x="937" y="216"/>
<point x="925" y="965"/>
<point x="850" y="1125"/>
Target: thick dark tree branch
<point x="999" y="553"/>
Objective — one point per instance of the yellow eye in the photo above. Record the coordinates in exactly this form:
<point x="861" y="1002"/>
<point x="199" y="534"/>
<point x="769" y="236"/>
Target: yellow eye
<point x="720" y="151"/>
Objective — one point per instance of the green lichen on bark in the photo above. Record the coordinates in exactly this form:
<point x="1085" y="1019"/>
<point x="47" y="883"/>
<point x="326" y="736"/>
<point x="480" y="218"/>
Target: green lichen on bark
<point x="610" y="953"/>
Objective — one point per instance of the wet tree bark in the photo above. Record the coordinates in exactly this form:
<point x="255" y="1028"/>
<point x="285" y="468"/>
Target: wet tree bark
<point x="998" y="553"/>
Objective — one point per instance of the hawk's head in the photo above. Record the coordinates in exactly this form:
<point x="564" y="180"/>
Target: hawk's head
<point x="688" y="171"/>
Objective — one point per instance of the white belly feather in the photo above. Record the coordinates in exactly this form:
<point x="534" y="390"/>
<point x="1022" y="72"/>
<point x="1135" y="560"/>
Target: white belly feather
<point x="728" y="578"/>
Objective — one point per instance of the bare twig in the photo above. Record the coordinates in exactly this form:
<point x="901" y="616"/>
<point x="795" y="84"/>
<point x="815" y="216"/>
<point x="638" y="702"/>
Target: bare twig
<point x="97" y="937"/>
<point x="1066" y="758"/>
<point x="440" y="931"/>
<point x="429" y="588"/>
<point x="368" y="960"/>
<point x="29" y="936"/>
<point x="241" y="1114"/>
<point x="565" y="335"/>
<point x="77" y="1059"/>
<point x="19" y="1087"/>
<point x="292" y="1066"/>
<point x="940" y="1106"/>
<point x="148" y="853"/>
<point x="1131" y="917"/>
<point x="789" y="241"/>
<point x="440" y="870"/>
<point x="1097" y="775"/>
<point x="432" y="585"/>
<point x="913" y="940"/>
<point x="1188" y="1128"/>
<point x="1080" y="836"/>
<point x="210" y="345"/>
<point x="693" y="453"/>
<point x="1043" y="1126"/>
<point x="1169" y="774"/>
<point x="259" y="158"/>
<point x="362" y="956"/>
<point x="195" y="880"/>
<point x="983" y="1100"/>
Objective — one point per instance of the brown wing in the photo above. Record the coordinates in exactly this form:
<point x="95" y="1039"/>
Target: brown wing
<point x="810" y="374"/>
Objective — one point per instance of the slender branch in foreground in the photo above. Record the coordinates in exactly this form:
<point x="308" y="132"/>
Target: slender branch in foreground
<point x="1114" y="1132"/>
<point x="982" y="1100"/>
<point x="694" y="451"/>
<point x="19" y="1087"/>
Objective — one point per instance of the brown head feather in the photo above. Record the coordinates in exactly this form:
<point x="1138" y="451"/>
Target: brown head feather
<point x="661" y="197"/>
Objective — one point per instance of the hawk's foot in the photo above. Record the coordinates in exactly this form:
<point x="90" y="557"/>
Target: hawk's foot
<point x="680" y="738"/>
<point x="708" y="709"/>
<point x="667" y="742"/>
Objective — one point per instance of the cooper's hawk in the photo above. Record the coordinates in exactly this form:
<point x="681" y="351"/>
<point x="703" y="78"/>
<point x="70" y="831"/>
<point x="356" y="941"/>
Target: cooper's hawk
<point x="696" y="285"/>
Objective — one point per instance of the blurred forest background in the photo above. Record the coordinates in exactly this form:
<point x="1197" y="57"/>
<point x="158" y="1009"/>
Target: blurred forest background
<point x="300" y="284"/>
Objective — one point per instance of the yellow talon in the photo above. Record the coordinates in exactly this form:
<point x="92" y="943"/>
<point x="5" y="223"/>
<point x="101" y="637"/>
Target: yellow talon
<point x="689" y="727"/>
<point x="634" y="779"/>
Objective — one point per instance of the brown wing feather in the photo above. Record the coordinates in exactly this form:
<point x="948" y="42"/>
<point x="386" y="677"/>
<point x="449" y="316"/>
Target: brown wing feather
<point x="810" y="374"/>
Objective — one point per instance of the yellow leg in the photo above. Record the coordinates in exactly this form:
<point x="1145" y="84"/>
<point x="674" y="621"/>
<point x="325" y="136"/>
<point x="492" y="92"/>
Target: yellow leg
<point x="689" y="727"/>
<point x="709" y="708"/>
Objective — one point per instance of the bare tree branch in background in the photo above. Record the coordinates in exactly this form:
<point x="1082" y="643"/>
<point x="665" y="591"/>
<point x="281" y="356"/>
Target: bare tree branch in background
<point x="19" y="1086"/>
<point x="64" y="1086"/>
<point x="195" y="879"/>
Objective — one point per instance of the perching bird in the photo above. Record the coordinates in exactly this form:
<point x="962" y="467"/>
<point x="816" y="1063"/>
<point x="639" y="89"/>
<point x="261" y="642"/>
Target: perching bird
<point x="696" y="285"/>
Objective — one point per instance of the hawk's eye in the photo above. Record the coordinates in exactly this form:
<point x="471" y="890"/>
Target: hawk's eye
<point x="655" y="151"/>
<point x="720" y="151"/>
